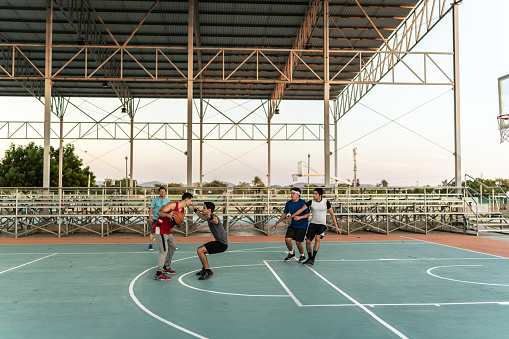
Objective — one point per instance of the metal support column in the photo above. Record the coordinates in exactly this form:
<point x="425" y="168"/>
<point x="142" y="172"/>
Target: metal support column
<point x="131" y="162"/>
<point x="201" y="134"/>
<point x="190" y="75"/>
<point x="61" y="153"/>
<point x="336" y="174"/>
<point x="326" y="89"/>
<point x="47" y="94"/>
<point x="268" y="149"/>
<point x="457" y="135"/>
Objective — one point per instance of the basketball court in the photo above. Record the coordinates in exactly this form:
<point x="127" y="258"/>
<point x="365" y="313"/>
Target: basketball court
<point x="408" y="286"/>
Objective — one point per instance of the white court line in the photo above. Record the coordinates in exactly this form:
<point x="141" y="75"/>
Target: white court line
<point x="229" y="293"/>
<point x="458" y="248"/>
<point x="414" y="259"/>
<point x="395" y="331"/>
<point x="103" y="253"/>
<point x="457" y="280"/>
<point x="140" y="305"/>
<point x="152" y="314"/>
<point x="284" y="286"/>
<point x="415" y="304"/>
<point x="389" y="242"/>
<point x="10" y="269"/>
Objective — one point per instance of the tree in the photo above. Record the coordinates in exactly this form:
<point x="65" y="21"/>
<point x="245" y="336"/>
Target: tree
<point x="385" y="183"/>
<point x="241" y="188"/>
<point x="175" y="191"/>
<point x="257" y="182"/>
<point x="216" y="183"/>
<point x="73" y="175"/>
<point x="22" y="166"/>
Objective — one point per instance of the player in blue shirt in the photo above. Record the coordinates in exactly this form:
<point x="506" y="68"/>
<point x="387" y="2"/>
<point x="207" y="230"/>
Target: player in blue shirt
<point x="298" y="224"/>
<point x="155" y="206"/>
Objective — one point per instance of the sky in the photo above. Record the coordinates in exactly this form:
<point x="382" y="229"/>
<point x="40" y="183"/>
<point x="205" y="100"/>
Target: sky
<point x="418" y="151"/>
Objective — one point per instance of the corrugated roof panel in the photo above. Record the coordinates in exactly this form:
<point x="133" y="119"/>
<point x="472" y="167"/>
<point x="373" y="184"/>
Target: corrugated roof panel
<point x="230" y="24"/>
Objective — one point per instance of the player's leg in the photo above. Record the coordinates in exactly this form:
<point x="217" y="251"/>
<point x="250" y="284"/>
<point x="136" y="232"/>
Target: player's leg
<point x="210" y="248"/>
<point x="202" y="250"/>
<point x="163" y="252"/>
<point x="299" y="238"/>
<point x="290" y="235"/>
<point x="171" y="249"/>
<point x="151" y="240"/>
<point x="320" y="233"/>
<point x="310" y="236"/>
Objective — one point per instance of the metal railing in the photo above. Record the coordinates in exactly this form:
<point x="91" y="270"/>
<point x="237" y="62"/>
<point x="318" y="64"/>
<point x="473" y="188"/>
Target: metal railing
<point x="486" y="207"/>
<point x="107" y="210"/>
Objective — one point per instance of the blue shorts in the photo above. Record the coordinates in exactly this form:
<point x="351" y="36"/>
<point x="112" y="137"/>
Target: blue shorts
<point x="314" y="230"/>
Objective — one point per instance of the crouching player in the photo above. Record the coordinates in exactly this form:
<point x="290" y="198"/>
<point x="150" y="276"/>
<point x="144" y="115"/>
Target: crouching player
<point x="220" y="243"/>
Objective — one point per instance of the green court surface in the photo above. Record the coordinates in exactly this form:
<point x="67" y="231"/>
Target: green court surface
<point x="392" y="289"/>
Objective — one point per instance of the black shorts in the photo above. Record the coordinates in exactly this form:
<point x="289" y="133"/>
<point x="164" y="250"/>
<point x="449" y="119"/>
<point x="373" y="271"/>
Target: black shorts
<point x="215" y="247"/>
<point x="296" y="234"/>
<point x="314" y="230"/>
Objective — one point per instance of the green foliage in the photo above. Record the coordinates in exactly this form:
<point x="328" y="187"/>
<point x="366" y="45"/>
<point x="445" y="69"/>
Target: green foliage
<point x="242" y="184"/>
<point x="175" y="188"/>
<point x="124" y="183"/>
<point x="476" y="186"/>
<point x="257" y="182"/>
<point x="215" y="183"/>
<point x="384" y="183"/>
<point x="22" y="166"/>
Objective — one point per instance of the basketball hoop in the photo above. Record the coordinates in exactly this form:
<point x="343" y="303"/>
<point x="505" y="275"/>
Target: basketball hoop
<point x="295" y="177"/>
<point x="503" y="126"/>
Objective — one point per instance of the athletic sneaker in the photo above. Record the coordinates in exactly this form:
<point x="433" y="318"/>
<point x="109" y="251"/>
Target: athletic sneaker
<point x="169" y="271"/>
<point x="202" y="272"/>
<point x="302" y="259"/>
<point x="289" y="257"/>
<point x="150" y="247"/>
<point x="162" y="277"/>
<point x="310" y="261"/>
<point x="206" y="275"/>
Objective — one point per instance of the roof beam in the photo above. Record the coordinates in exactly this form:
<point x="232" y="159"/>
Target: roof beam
<point x="303" y="36"/>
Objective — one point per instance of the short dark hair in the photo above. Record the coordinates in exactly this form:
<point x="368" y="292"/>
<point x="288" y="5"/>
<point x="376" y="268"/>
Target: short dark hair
<point x="187" y="195"/>
<point x="296" y="189"/>
<point x="319" y="190"/>
<point x="210" y="206"/>
<point x="162" y="188"/>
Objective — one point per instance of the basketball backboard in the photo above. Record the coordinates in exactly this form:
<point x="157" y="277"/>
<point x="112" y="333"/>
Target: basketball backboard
<point x="503" y="104"/>
<point x="300" y="168"/>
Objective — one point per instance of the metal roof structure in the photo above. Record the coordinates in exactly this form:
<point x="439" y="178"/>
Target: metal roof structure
<point x="330" y="50"/>
<point x="250" y="48"/>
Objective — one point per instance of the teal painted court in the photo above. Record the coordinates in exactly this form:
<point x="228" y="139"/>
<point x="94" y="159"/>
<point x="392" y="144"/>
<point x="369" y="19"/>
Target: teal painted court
<point x="390" y="289"/>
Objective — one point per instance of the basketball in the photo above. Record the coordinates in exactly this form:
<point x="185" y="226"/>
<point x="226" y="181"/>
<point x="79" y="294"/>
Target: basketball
<point x="177" y="218"/>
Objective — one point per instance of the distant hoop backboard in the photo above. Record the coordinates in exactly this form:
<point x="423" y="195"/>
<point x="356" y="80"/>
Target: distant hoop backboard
<point x="503" y="126"/>
<point x="503" y="104"/>
<point x="300" y="167"/>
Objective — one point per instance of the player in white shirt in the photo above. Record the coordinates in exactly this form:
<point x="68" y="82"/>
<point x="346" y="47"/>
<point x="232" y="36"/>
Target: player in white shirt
<point x="317" y="226"/>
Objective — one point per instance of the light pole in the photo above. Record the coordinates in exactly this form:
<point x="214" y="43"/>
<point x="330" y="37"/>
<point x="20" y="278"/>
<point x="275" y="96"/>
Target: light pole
<point x="309" y="165"/>
<point x="125" y="171"/>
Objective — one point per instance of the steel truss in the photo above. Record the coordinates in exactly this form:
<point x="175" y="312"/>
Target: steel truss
<point x="263" y="62"/>
<point x="259" y="72"/>
<point x="404" y="39"/>
<point x="162" y="131"/>
<point x="104" y="211"/>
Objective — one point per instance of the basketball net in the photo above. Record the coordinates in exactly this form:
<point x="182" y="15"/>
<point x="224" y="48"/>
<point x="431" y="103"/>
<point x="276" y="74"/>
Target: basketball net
<point x="295" y="177"/>
<point x="503" y="126"/>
